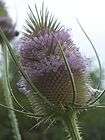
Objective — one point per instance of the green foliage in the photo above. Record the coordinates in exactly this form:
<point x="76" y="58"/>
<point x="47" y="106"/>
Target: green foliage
<point x="92" y="122"/>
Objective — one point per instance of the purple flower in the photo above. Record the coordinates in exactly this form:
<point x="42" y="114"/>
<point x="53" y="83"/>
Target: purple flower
<point x="42" y="60"/>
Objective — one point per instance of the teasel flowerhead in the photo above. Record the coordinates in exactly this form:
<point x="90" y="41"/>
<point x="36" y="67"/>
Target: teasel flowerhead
<point x="6" y="23"/>
<point x="54" y="66"/>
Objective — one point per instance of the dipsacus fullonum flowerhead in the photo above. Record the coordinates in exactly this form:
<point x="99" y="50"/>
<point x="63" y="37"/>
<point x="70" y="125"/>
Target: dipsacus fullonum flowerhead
<point x="54" y="66"/>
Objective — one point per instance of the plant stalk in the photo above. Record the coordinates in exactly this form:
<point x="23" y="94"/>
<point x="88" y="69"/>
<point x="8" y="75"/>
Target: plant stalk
<point x="7" y="96"/>
<point x="72" y="126"/>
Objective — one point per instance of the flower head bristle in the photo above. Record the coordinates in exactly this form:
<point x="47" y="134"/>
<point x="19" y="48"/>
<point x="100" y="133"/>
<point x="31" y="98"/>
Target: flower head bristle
<point x="40" y="22"/>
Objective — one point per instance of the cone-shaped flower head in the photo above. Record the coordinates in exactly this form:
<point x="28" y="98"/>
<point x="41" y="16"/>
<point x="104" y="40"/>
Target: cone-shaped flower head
<point x="42" y="59"/>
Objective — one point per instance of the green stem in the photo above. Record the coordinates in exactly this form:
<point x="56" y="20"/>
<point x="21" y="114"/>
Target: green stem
<point x="72" y="126"/>
<point x="8" y="100"/>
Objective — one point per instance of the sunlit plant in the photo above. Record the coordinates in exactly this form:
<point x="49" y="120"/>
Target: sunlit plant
<point x="54" y="75"/>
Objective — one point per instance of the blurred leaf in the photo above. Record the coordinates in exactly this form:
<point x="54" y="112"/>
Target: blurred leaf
<point x="3" y="11"/>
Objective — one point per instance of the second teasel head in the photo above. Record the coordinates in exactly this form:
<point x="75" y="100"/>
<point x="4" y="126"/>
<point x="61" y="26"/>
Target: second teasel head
<point x="6" y="23"/>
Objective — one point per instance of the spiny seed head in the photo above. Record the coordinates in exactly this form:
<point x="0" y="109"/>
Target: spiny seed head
<point x="42" y="60"/>
<point x="53" y="63"/>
